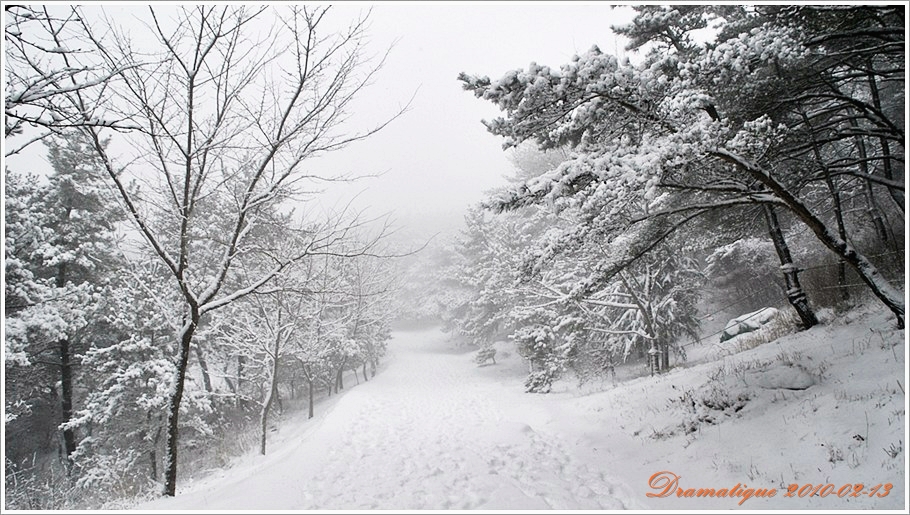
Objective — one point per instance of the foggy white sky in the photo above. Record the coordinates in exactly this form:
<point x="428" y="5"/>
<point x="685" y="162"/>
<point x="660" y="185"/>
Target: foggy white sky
<point x="438" y="158"/>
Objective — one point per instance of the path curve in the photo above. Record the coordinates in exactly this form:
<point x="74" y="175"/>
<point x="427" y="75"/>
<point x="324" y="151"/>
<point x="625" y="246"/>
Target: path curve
<point x="432" y="431"/>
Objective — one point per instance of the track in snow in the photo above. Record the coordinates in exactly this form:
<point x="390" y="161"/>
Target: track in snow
<point x="429" y="432"/>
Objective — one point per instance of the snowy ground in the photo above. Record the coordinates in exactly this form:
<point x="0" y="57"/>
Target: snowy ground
<point x="434" y="431"/>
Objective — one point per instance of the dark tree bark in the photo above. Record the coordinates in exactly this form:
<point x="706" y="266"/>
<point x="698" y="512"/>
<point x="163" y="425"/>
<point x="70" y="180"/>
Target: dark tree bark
<point x="206" y="379"/>
<point x="186" y="339"/>
<point x="230" y="385"/>
<point x="659" y="350"/>
<point x="153" y="452"/>
<point x="339" y="376"/>
<point x="311" y="385"/>
<point x="836" y="205"/>
<point x="869" y="274"/>
<point x="312" y="388"/>
<point x="66" y="375"/>
<point x="278" y="398"/>
<point x="875" y="212"/>
<point x="896" y="194"/>
<point x="795" y="294"/>
<point x="264" y="420"/>
<point x="239" y="391"/>
<point x="66" y="397"/>
<point x="842" y="232"/>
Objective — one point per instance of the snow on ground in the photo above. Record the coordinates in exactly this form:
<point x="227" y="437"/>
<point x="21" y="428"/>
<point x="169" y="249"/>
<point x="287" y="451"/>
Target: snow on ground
<point x="434" y="431"/>
<point x="816" y="407"/>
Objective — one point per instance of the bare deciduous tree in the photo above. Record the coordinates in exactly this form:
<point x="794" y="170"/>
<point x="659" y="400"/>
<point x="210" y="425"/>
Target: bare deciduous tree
<point x="44" y="66"/>
<point x="224" y="105"/>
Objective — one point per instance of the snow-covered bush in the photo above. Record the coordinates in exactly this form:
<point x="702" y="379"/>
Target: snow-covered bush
<point x="484" y="355"/>
<point x="541" y="381"/>
<point x="546" y="350"/>
<point x="708" y="405"/>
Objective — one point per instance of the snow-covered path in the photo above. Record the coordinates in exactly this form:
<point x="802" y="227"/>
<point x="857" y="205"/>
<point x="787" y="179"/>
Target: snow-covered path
<point x="432" y="431"/>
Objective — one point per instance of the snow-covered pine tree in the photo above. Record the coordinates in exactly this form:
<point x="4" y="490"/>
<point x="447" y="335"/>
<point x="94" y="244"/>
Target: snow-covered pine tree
<point x="128" y="380"/>
<point x="699" y="127"/>
<point x="61" y="254"/>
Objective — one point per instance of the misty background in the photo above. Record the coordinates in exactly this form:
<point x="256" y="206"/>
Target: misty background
<point x="427" y="166"/>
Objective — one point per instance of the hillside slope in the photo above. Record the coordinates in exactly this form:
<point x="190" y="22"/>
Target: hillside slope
<point x="435" y="431"/>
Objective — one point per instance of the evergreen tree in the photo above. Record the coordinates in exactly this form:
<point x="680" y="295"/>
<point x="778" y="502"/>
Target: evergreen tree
<point x="697" y="128"/>
<point x="61" y="254"/>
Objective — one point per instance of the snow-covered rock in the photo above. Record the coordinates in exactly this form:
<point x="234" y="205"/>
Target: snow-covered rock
<point x="748" y="323"/>
<point x="782" y="376"/>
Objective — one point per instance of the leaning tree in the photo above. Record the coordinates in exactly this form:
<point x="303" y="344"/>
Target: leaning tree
<point x="761" y="115"/>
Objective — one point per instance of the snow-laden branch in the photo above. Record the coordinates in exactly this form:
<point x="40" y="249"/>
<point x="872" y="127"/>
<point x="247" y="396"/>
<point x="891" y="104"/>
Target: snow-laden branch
<point x="754" y="198"/>
<point x="608" y="303"/>
<point x="619" y="332"/>
<point x="845" y="250"/>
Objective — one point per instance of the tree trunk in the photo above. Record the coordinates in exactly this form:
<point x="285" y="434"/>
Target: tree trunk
<point x="230" y="385"/>
<point x="239" y="379"/>
<point x="153" y="465"/>
<point x="795" y="293"/>
<point x="365" y="371"/>
<point x="842" y="232"/>
<point x="896" y="194"/>
<point x="875" y="212"/>
<point x="312" y="388"/>
<point x="653" y="360"/>
<point x="339" y="380"/>
<point x="842" y="280"/>
<point x="66" y="397"/>
<point x="153" y="452"/>
<point x="264" y="417"/>
<point x="186" y="339"/>
<point x="66" y="376"/>
<point x="655" y="352"/>
<point x="879" y="219"/>
<point x="870" y="275"/>
<point x="206" y="379"/>
<point x="838" y="212"/>
<point x="273" y="393"/>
